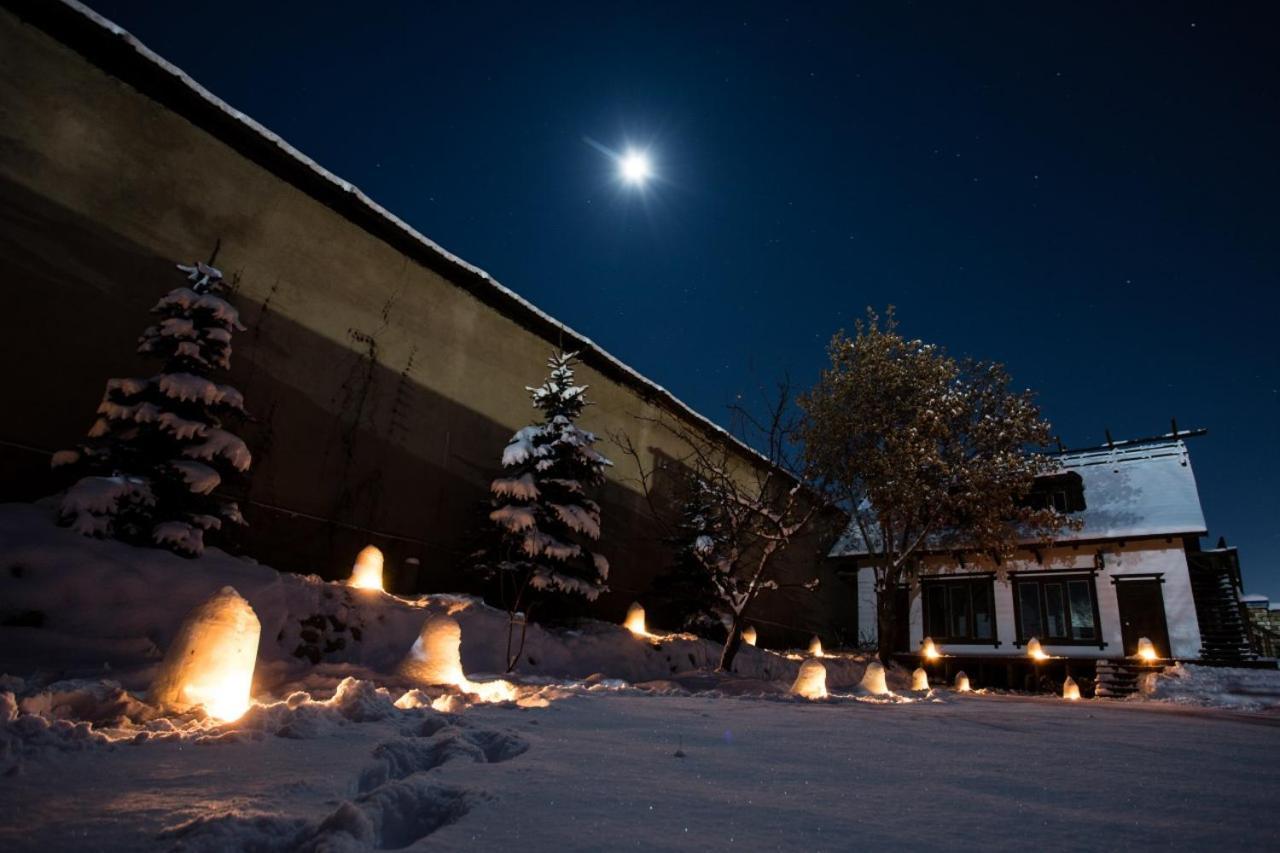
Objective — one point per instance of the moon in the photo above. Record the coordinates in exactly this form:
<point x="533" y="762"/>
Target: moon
<point x="634" y="167"/>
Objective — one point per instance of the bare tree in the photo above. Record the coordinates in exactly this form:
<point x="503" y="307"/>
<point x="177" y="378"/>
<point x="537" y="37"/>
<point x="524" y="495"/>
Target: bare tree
<point x="923" y="451"/>
<point x="757" y="504"/>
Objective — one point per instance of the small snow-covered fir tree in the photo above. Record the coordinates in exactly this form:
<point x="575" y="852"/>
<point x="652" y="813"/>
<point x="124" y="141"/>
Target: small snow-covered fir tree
<point x="158" y="449"/>
<point x="547" y="523"/>
<point x="691" y="595"/>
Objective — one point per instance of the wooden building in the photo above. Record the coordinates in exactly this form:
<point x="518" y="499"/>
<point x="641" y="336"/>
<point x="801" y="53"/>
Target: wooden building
<point x="1134" y="570"/>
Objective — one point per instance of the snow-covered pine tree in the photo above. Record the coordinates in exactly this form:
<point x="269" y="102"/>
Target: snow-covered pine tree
<point x="546" y="521"/>
<point x="158" y="449"/>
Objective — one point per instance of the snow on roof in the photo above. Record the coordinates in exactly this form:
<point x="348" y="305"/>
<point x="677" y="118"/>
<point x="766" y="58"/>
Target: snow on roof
<point x="1253" y="598"/>
<point x="508" y="301"/>
<point x="1132" y="489"/>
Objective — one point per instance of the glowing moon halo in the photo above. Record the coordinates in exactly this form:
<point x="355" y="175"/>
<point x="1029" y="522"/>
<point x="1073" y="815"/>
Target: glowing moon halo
<point x="634" y="167"/>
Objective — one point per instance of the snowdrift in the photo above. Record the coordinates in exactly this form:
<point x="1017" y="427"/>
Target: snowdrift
<point x="74" y="607"/>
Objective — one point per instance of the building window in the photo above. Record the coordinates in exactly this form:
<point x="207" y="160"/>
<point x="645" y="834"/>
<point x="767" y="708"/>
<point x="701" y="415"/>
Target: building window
<point x="960" y="610"/>
<point x="1062" y="492"/>
<point x="1059" y="609"/>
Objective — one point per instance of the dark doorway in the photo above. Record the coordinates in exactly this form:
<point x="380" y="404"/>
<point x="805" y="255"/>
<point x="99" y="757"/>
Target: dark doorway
<point x="902" y="619"/>
<point x="1141" y="605"/>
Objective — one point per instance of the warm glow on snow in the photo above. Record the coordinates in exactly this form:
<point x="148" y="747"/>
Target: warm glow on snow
<point x="1034" y="650"/>
<point x="811" y="680"/>
<point x="1070" y="690"/>
<point x="929" y="650"/>
<point x="635" y="620"/>
<point x="367" y="572"/>
<point x="1146" y="650"/>
<point x="211" y="660"/>
<point x="436" y="659"/>
<point x="224" y="693"/>
<point x="749" y="635"/>
<point x="873" y="680"/>
<point x="962" y="682"/>
<point x="919" y="679"/>
<point x="815" y="647"/>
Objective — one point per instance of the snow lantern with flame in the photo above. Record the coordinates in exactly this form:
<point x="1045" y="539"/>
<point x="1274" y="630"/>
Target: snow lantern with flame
<point x="919" y="679"/>
<point x="929" y="650"/>
<point x="211" y="661"/>
<point x="811" y="680"/>
<point x="1034" y="650"/>
<point x="962" y="682"/>
<point x="367" y="571"/>
<point x="1146" y="650"/>
<point x="1070" y="690"/>
<point x="873" y="680"/>
<point x="435" y="657"/>
<point x="815" y="647"/>
<point x="749" y="635"/>
<point x="635" y="620"/>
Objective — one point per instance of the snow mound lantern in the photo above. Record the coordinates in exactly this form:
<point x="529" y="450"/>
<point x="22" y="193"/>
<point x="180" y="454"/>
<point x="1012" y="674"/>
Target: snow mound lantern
<point x="929" y="650"/>
<point x="367" y="571"/>
<point x="873" y="680"/>
<point x="435" y="657"/>
<point x="210" y="662"/>
<point x="749" y="635"/>
<point x="919" y="679"/>
<point x="815" y="647"/>
<point x="811" y="680"/>
<point x="1146" y="650"/>
<point x="962" y="682"/>
<point x="1034" y="650"/>
<point x="1070" y="690"/>
<point x="635" y="620"/>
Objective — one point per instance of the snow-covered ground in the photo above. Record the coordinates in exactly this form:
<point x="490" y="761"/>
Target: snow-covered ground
<point x="615" y="740"/>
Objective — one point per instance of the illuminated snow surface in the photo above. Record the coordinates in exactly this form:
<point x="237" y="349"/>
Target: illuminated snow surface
<point x="348" y="754"/>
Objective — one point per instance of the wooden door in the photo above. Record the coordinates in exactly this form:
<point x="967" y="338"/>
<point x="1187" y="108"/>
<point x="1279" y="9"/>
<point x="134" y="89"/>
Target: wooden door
<point x="1141" y="604"/>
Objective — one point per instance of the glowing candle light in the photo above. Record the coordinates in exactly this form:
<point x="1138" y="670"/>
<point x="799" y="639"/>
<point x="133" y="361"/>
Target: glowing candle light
<point x="1034" y="650"/>
<point x="749" y="635"/>
<point x="962" y="682"/>
<point x="919" y="679"/>
<point x="210" y="663"/>
<point x="873" y="680"/>
<point x="1146" y="650"/>
<point x="436" y="655"/>
<point x="929" y="650"/>
<point x="635" y="620"/>
<point x="1070" y="690"/>
<point x="811" y="680"/>
<point x="367" y="571"/>
<point x="436" y="659"/>
<point x="815" y="647"/>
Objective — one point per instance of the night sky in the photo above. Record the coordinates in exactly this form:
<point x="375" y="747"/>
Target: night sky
<point x="1086" y="192"/>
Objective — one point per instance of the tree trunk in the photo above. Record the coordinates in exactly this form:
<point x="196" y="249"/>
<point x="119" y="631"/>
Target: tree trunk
<point x="731" y="644"/>
<point x="886" y="619"/>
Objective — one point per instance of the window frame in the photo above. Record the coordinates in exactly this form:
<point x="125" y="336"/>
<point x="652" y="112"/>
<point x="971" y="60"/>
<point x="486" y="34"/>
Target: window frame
<point x="1064" y="578"/>
<point x="942" y="585"/>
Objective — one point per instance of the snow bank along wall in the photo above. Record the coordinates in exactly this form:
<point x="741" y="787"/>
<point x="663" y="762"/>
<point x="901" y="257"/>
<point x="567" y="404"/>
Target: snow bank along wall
<point x="385" y="376"/>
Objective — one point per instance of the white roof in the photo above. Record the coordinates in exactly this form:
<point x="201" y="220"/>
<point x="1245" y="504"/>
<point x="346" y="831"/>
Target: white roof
<point x="1130" y="490"/>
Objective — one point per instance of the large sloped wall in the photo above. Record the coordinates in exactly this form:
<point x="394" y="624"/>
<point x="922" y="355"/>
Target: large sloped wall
<point x="383" y="376"/>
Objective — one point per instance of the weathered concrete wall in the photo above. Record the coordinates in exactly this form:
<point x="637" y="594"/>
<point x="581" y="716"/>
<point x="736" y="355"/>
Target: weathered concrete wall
<point x="383" y="391"/>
